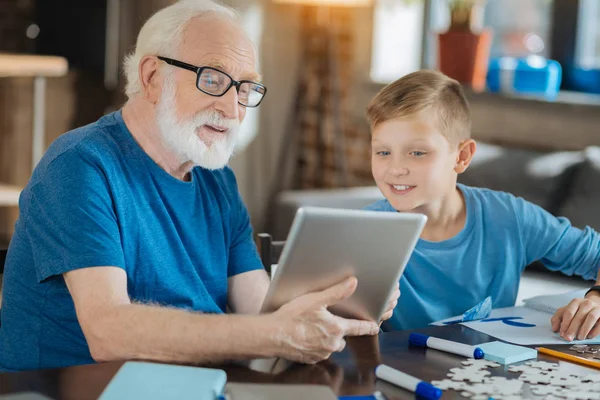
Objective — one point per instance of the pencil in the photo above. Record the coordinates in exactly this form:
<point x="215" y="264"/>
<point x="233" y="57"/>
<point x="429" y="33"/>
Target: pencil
<point x="569" y="357"/>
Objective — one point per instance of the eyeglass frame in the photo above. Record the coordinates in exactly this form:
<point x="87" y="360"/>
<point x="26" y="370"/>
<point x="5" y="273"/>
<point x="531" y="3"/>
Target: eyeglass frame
<point x="198" y="71"/>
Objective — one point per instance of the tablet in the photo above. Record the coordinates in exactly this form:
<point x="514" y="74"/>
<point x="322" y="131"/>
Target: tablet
<point x="326" y="245"/>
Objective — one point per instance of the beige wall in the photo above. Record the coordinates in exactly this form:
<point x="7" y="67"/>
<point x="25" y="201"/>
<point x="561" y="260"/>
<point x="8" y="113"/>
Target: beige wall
<point x="280" y="60"/>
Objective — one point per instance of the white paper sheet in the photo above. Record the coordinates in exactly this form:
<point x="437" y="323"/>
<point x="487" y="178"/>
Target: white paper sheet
<point x="521" y="325"/>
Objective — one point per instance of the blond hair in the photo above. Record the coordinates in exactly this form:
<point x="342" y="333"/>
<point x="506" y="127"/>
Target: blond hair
<point x="420" y="92"/>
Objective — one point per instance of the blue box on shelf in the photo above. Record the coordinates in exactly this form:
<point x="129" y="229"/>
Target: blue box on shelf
<point x="532" y="75"/>
<point x="585" y="79"/>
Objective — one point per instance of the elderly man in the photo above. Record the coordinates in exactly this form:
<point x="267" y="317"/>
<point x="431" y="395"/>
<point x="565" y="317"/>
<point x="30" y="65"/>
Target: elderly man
<point x="132" y="239"/>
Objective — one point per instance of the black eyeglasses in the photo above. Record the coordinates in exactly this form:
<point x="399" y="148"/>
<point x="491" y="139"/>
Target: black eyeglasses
<point x="216" y="83"/>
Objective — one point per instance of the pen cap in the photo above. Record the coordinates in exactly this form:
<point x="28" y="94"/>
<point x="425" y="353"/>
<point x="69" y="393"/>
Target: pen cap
<point x="428" y="391"/>
<point x="478" y="354"/>
<point x="418" y="339"/>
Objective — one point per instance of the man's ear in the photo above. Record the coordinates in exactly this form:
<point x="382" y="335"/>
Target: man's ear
<point x="466" y="151"/>
<point x="150" y="78"/>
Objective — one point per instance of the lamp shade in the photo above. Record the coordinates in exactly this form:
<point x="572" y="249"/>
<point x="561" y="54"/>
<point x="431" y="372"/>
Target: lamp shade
<point x="339" y="3"/>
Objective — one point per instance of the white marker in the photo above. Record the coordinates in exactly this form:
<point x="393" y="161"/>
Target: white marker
<point x="420" y="388"/>
<point x="418" y="339"/>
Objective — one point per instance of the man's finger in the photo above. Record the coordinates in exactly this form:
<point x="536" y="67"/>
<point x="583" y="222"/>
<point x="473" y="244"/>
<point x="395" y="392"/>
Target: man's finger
<point x="355" y="327"/>
<point x="336" y="293"/>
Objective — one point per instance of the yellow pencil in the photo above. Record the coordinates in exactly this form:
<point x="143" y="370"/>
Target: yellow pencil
<point x="569" y="357"/>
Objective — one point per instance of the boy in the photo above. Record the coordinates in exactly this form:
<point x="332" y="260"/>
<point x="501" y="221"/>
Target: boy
<point x="476" y="242"/>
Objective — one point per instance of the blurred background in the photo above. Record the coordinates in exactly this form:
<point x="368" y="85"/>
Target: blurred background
<point x="531" y="69"/>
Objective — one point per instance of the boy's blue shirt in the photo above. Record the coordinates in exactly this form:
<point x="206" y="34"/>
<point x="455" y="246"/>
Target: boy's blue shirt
<point x="97" y="199"/>
<point x="502" y="235"/>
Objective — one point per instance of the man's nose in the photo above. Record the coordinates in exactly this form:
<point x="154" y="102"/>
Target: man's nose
<point x="228" y="104"/>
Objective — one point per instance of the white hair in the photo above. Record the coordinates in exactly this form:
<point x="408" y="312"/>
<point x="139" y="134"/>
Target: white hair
<point x="162" y="34"/>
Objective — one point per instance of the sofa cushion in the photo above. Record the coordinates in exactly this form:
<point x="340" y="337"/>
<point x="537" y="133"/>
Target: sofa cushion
<point x="537" y="177"/>
<point x="582" y="206"/>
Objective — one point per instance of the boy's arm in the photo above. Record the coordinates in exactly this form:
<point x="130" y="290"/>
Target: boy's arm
<point x="573" y="251"/>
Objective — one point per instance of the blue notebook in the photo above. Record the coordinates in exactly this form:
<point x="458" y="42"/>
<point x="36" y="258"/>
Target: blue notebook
<point x="150" y="381"/>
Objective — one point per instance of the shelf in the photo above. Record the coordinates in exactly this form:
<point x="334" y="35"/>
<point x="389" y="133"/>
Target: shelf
<point x="9" y="195"/>
<point x="15" y="65"/>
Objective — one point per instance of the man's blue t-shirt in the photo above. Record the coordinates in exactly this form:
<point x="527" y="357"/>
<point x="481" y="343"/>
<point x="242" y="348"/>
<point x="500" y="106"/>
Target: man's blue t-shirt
<point x="97" y="199"/>
<point x="502" y="235"/>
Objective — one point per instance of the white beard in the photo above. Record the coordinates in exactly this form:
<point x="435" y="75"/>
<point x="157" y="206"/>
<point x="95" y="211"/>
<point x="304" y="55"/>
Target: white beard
<point x="181" y="137"/>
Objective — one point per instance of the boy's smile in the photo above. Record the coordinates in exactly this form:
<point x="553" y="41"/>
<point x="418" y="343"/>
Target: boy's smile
<point x="401" y="189"/>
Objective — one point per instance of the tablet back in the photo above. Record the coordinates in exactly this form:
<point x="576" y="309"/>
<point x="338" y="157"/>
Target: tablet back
<point x="327" y="245"/>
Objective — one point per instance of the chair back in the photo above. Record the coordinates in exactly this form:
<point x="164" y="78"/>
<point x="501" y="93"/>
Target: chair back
<point x="2" y="259"/>
<point x="269" y="250"/>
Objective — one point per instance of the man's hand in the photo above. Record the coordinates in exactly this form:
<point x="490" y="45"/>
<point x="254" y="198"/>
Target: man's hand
<point x="580" y="319"/>
<point x="392" y="303"/>
<point x="309" y="333"/>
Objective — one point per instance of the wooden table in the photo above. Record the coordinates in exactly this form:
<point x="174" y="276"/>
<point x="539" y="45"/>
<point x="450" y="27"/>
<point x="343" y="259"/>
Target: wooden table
<point x="348" y="373"/>
<point x="38" y="67"/>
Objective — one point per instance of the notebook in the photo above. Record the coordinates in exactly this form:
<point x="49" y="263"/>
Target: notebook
<point x="153" y="381"/>
<point x="551" y="303"/>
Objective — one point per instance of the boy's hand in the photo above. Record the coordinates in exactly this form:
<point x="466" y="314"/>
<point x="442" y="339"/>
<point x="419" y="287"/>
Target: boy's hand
<point x="580" y="319"/>
<point x="392" y="303"/>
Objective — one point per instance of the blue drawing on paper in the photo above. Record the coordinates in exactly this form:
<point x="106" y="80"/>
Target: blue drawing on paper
<point x="510" y="321"/>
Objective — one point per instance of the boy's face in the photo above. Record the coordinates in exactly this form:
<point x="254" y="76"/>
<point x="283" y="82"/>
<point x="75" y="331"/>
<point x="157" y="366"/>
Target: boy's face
<point x="413" y="164"/>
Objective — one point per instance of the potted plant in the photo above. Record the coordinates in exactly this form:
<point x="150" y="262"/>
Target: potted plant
<point x="464" y="49"/>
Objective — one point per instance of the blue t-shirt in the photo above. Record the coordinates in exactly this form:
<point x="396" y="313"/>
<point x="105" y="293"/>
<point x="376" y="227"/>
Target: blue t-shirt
<point x="97" y="199"/>
<point x="501" y="236"/>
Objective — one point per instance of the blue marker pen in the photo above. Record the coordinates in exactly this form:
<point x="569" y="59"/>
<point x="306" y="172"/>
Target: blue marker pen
<point x="421" y="388"/>
<point x="375" y="396"/>
<point x="465" y="350"/>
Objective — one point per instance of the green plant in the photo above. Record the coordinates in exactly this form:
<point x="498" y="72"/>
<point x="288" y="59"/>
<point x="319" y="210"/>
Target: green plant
<point x="461" y="12"/>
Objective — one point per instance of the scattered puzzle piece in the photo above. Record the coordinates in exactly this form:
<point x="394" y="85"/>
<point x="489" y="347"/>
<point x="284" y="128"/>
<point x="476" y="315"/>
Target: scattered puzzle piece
<point x="520" y="368"/>
<point x="547" y="390"/>
<point x="535" y="379"/>
<point x="480" y="397"/>
<point x="468" y="375"/>
<point x="561" y="374"/>
<point x="497" y="388"/>
<point x="591" y="378"/>
<point x="582" y="395"/>
<point x="552" y="397"/>
<point x="446" y="384"/>
<point x="481" y="364"/>
<point x="565" y="381"/>
<point x="543" y="365"/>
